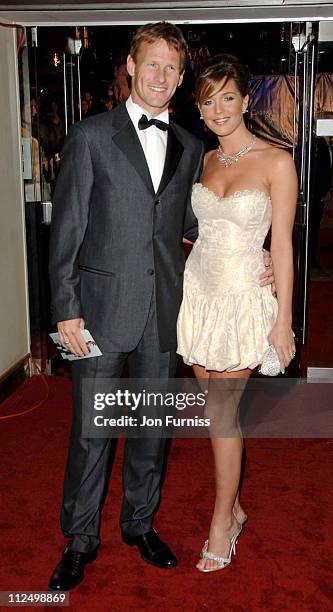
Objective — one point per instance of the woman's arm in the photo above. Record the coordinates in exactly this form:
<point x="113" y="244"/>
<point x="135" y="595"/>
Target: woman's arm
<point x="284" y="189"/>
<point x="197" y="176"/>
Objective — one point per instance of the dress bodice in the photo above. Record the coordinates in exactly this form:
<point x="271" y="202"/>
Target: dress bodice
<point x="228" y="252"/>
<point x="238" y="222"/>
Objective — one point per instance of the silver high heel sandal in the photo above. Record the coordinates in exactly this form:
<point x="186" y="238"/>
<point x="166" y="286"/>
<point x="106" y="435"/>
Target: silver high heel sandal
<point x="222" y="562"/>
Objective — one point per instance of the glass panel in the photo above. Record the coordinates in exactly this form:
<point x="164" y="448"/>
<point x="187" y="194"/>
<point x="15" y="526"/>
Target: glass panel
<point x="50" y="103"/>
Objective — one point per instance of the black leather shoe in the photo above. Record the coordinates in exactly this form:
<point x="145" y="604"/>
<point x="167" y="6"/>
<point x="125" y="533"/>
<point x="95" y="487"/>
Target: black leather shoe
<point x="152" y="549"/>
<point x="70" y="571"/>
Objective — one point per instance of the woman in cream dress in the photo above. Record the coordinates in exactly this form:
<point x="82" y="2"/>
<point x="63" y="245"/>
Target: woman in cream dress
<point x="227" y="320"/>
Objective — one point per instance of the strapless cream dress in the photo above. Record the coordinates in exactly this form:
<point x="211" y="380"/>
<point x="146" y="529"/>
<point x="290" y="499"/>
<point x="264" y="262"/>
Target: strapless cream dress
<point x="225" y="316"/>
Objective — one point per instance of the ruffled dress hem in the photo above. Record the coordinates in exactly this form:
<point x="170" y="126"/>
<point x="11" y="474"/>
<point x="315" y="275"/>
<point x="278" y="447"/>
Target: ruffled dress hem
<point x="227" y="333"/>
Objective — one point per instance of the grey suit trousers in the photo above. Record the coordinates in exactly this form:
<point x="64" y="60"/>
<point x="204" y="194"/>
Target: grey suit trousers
<point x="88" y="464"/>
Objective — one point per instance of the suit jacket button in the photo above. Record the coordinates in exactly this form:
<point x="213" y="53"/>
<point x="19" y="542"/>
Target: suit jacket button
<point x="150" y="271"/>
<point x="157" y="202"/>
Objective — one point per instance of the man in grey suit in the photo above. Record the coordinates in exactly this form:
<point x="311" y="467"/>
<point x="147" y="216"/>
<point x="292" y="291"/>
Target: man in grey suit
<point x="121" y="208"/>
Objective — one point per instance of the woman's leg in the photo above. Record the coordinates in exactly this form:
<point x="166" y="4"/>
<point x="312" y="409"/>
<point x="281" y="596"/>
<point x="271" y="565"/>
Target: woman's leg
<point x="222" y="407"/>
<point x="203" y="376"/>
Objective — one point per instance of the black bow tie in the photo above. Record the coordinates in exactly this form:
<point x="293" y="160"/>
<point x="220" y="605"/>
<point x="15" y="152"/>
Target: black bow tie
<point x="145" y="123"/>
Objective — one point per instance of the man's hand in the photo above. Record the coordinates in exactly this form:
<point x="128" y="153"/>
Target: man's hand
<point x="267" y="277"/>
<point x="71" y="337"/>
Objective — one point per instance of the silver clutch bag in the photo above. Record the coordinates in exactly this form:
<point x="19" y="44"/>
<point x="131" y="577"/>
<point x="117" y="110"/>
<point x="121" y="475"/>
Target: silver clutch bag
<point x="270" y="365"/>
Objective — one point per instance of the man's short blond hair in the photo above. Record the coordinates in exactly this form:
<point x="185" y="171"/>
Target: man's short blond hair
<point x="153" y="32"/>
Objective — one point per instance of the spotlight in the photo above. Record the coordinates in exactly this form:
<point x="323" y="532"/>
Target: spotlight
<point x="56" y="61"/>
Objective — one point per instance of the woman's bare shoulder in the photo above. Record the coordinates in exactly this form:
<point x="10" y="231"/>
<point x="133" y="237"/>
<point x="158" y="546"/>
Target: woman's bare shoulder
<point x="281" y="171"/>
<point x="275" y="157"/>
<point x="274" y="152"/>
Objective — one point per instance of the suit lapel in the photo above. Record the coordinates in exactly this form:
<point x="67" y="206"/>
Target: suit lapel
<point x="128" y="142"/>
<point x="173" y="154"/>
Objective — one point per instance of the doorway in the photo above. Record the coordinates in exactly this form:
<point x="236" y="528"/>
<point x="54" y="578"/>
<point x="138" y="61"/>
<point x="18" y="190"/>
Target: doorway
<point x="70" y="72"/>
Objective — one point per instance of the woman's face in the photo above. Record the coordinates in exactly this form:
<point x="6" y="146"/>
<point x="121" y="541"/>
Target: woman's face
<point x="223" y="110"/>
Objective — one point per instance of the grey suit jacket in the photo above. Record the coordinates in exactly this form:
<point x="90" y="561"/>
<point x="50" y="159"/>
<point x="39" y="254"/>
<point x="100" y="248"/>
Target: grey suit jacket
<point x="115" y="244"/>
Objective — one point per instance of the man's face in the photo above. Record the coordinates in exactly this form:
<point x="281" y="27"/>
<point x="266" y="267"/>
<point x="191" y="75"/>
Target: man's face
<point x="156" y="74"/>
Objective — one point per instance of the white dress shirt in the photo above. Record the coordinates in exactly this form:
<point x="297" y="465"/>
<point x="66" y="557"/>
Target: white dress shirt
<point x="153" y="140"/>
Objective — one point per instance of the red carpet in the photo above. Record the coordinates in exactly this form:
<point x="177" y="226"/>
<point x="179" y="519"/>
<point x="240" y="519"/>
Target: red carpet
<point x="284" y="557"/>
<point x="318" y="348"/>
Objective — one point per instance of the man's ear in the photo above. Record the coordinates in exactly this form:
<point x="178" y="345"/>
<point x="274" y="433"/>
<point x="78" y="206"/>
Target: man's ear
<point x="181" y="78"/>
<point x="130" y="65"/>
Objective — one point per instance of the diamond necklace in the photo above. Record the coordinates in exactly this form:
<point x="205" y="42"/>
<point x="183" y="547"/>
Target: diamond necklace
<point x="228" y="160"/>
